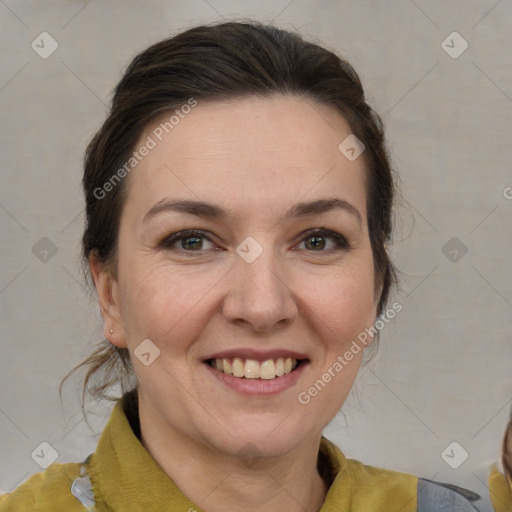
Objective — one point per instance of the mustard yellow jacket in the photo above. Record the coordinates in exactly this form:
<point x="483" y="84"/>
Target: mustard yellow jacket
<point x="121" y="476"/>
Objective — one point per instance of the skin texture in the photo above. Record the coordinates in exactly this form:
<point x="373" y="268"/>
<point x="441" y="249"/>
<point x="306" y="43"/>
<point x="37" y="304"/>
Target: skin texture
<point x="256" y="157"/>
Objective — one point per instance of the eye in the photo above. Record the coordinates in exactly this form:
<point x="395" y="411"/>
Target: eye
<point x="318" y="236"/>
<point x="191" y="240"/>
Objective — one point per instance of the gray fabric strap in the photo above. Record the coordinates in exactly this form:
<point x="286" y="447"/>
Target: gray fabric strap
<point x="434" y="497"/>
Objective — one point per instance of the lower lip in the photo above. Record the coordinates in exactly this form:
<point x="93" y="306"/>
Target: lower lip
<point x="259" y="387"/>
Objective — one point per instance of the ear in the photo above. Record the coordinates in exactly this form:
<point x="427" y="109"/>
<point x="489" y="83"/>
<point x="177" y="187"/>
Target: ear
<point x="107" y="289"/>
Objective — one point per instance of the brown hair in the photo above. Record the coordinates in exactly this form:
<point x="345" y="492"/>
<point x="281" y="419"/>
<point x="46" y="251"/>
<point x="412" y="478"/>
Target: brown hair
<point x="214" y="63"/>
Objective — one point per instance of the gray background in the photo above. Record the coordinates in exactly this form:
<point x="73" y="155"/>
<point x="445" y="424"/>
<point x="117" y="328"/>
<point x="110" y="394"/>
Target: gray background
<point x="443" y="369"/>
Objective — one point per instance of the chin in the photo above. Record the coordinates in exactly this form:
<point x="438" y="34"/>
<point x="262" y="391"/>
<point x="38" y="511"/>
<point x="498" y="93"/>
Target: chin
<point x="269" y="438"/>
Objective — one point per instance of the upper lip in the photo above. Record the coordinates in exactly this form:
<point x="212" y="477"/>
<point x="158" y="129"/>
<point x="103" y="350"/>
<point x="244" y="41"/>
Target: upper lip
<point x="257" y="355"/>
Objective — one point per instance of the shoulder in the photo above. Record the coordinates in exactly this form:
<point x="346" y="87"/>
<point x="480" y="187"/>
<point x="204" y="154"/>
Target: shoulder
<point x="49" y="491"/>
<point x="367" y="487"/>
<point x="408" y="492"/>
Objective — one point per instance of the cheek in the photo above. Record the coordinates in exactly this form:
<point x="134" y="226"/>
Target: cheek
<point x="160" y="302"/>
<point x="344" y="302"/>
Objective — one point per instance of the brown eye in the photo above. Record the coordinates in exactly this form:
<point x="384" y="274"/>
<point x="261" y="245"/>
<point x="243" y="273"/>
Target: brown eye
<point x="192" y="240"/>
<point x="314" y="240"/>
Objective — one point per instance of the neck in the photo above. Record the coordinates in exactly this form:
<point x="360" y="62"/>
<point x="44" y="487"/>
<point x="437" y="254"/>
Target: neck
<point x="217" y="482"/>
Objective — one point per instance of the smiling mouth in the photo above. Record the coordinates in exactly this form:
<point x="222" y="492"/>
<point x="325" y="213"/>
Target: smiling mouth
<point x="252" y="369"/>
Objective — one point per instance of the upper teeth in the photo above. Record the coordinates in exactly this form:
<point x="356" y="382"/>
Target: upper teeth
<point x="252" y="369"/>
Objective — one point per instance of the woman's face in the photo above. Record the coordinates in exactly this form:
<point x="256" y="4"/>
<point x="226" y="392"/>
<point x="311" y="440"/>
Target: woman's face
<point x="252" y="289"/>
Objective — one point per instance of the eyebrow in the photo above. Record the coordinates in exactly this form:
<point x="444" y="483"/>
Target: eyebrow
<point x="215" y="212"/>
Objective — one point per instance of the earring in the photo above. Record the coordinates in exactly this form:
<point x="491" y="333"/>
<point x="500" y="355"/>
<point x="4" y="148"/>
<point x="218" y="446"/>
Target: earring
<point x="111" y="331"/>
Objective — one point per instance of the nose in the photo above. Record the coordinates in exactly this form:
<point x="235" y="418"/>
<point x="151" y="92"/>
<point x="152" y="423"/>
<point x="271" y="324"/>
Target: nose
<point x="260" y="294"/>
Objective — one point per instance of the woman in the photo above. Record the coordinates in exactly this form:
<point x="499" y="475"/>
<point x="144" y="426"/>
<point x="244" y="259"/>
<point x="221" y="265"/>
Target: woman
<point x="238" y="202"/>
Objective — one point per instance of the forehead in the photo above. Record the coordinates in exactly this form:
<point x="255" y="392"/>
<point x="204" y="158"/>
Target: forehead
<point x="251" y="152"/>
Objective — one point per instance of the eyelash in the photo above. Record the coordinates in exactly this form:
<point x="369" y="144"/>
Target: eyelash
<point x="341" y="242"/>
